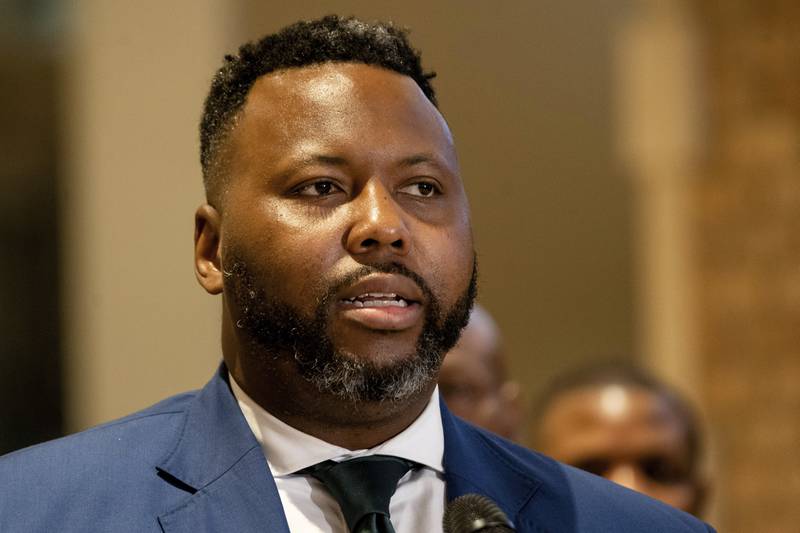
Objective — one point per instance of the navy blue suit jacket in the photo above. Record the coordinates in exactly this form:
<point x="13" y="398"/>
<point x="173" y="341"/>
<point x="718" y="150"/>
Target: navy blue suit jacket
<point x="191" y="464"/>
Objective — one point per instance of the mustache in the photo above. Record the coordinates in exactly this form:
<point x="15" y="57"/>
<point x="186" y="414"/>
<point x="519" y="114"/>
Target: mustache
<point x="351" y="278"/>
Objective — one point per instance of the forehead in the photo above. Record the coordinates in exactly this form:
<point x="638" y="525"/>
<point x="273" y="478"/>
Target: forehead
<point x="613" y="415"/>
<point x="338" y="103"/>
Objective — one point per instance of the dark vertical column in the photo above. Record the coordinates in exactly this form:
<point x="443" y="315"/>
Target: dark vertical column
<point x="30" y="354"/>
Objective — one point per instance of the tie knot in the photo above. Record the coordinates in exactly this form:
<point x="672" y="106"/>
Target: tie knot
<point x="363" y="487"/>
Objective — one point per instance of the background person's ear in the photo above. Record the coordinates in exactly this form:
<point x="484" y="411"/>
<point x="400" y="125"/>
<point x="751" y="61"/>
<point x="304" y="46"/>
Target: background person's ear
<point x="207" y="241"/>
<point x="511" y="396"/>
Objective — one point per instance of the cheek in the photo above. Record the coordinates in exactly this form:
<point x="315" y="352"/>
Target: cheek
<point x="680" y="496"/>
<point x="301" y="234"/>
<point x="291" y="217"/>
<point x="310" y="234"/>
<point x="451" y="256"/>
<point x="286" y="253"/>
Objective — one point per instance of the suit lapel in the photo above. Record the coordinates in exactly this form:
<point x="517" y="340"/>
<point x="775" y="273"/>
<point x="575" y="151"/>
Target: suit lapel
<point x="473" y="463"/>
<point x="221" y="466"/>
<point x="218" y="461"/>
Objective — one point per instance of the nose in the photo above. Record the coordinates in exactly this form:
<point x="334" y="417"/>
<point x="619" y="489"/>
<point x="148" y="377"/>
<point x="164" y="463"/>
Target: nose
<point x="628" y="476"/>
<point x="378" y="225"/>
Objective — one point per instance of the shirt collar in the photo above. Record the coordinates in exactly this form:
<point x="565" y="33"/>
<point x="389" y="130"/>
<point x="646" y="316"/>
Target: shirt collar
<point x="288" y="449"/>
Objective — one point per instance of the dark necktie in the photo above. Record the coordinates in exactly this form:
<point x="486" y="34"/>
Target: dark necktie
<point x="363" y="488"/>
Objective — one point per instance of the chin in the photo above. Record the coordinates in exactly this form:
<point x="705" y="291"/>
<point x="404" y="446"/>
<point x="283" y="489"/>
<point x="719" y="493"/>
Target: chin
<point x="384" y="354"/>
<point x="374" y="376"/>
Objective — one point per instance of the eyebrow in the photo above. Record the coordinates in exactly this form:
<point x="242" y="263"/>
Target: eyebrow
<point x="417" y="159"/>
<point x="338" y="161"/>
<point x="321" y="159"/>
<point x="310" y="160"/>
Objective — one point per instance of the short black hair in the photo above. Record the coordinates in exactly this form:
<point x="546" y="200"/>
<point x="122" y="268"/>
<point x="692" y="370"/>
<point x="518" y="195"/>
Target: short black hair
<point x="329" y="39"/>
<point x="627" y="375"/>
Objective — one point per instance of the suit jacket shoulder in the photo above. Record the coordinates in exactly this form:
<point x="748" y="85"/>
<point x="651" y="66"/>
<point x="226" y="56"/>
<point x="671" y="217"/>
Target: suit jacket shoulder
<point x="78" y="480"/>
<point x="541" y="495"/>
<point x="187" y="464"/>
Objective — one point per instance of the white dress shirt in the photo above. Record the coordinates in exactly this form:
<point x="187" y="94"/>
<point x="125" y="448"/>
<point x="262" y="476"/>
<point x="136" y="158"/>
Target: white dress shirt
<point x="417" y="505"/>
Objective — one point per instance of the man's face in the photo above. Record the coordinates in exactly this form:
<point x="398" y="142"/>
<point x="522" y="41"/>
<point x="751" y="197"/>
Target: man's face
<point x="626" y="434"/>
<point x="345" y="234"/>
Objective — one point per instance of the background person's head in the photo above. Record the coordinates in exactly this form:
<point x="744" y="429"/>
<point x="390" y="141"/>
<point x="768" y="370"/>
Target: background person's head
<point x="620" y="423"/>
<point x="474" y="378"/>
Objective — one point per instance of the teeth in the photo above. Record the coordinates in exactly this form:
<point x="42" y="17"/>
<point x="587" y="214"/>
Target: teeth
<point x="380" y="303"/>
<point x="372" y="297"/>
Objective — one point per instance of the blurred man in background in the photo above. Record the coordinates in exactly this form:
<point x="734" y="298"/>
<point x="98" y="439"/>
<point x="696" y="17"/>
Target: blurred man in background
<point x="620" y="423"/>
<point x="474" y="379"/>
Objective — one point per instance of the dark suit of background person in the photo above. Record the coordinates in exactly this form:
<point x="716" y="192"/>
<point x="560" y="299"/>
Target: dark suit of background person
<point x="474" y="380"/>
<point x="337" y="230"/>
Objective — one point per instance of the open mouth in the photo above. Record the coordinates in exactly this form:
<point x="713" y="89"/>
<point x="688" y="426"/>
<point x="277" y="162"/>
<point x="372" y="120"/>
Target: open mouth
<point x="383" y="302"/>
<point x="378" y="299"/>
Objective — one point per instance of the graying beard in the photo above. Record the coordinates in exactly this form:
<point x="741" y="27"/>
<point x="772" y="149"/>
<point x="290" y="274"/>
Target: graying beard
<point x="342" y="375"/>
<point x="354" y="381"/>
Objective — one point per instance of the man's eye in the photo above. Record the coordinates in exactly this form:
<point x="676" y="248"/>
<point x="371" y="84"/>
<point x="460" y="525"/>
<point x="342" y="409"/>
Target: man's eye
<point x="423" y="189"/>
<point x="594" y="466"/>
<point x="318" y="188"/>
<point x="664" y="470"/>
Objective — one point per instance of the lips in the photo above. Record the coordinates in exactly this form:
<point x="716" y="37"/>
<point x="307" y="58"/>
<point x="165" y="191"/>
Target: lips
<point x="382" y="302"/>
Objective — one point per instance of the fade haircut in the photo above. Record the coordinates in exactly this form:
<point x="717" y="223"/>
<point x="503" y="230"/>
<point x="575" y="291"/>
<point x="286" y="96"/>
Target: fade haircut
<point x="329" y="39"/>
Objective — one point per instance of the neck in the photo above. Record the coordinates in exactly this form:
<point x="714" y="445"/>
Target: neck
<point x="350" y="426"/>
<point x="274" y="384"/>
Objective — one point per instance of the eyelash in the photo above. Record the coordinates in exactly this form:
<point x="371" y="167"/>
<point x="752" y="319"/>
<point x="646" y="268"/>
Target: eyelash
<point x="435" y="190"/>
<point x="334" y="187"/>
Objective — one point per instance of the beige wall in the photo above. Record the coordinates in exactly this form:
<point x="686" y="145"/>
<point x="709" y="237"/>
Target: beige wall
<point x="137" y="325"/>
<point x="661" y="116"/>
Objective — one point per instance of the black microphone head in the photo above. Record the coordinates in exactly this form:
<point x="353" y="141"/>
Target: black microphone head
<point x="471" y="513"/>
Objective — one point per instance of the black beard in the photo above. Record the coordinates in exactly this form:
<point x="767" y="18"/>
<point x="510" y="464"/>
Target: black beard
<point x="277" y="330"/>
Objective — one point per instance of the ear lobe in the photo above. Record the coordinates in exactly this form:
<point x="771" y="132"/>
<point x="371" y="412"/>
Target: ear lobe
<point x="510" y="390"/>
<point x="207" y="241"/>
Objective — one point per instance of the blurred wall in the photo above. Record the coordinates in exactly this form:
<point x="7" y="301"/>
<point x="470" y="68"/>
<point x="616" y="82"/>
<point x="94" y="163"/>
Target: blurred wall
<point x="137" y="326"/>
<point x="659" y="131"/>
<point x="746" y="215"/>
<point x="710" y="127"/>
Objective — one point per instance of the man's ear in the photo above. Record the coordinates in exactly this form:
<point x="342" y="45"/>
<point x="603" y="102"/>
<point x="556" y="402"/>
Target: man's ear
<point x="207" y="242"/>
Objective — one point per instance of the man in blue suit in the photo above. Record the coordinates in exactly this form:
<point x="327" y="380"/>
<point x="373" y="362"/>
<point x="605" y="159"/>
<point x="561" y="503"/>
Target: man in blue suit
<point x="337" y="231"/>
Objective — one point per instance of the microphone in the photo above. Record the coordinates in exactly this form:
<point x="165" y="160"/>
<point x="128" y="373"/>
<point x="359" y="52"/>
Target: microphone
<point x="471" y="513"/>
